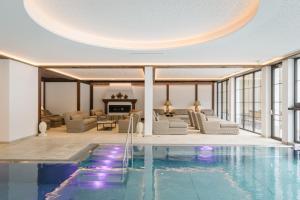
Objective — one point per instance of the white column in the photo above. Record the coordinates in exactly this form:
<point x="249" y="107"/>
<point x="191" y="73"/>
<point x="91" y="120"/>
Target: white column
<point x="148" y="106"/>
<point x="4" y="101"/>
<point x="287" y="101"/>
<point x="231" y="99"/>
<point x="266" y="101"/>
<point x="18" y="100"/>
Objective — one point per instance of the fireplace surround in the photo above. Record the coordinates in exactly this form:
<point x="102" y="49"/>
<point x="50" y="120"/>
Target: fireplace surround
<point x="113" y="106"/>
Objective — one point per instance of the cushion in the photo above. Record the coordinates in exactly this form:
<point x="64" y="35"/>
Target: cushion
<point x="229" y="125"/>
<point x="76" y="117"/>
<point x="177" y="124"/>
<point x="89" y="120"/>
<point x="159" y="111"/>
<point x="180" y="111"/>
<point x="85" y="115"/>
<point x="98" y="113"/>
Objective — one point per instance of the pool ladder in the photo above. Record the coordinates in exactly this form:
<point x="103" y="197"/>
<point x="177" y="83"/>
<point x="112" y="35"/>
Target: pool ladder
<point x="128" y="144"/>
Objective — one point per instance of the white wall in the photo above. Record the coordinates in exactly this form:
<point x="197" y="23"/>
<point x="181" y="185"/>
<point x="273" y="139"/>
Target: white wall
<point x="23" y="98"/>
<point x="182" y="96"/>
<point x="205" y="96"/>
<point x="138" y="93"/>
<point x="4" y="100"/>
<point x="20" y="86"/>
<point x="84" y="97"/>
<point x="159" y="96"/>
<point x="61" y="97"/>
<point x="99" y="94"/>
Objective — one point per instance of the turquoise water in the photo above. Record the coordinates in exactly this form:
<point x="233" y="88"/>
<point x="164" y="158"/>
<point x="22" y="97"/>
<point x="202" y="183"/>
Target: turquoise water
<point x="161" y="173"/>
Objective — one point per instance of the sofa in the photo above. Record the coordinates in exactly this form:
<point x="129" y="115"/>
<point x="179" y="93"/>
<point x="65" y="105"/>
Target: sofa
<point x="124" y="123"/>
<point x="216" y="126"/>
<point x="52" y="120"/>
<point x="168" y="127"/>
<point x="77" y="122"/>
<point x="98" y="113"/>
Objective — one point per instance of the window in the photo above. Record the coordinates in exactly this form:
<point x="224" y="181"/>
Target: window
<point x="219" y="98"/>
<point x="222" y="99"/>
<point x="276" y="105"/>
<point x="257" y="102"/>
<point x="248" y="101"/>
<point x="297" y="100"/>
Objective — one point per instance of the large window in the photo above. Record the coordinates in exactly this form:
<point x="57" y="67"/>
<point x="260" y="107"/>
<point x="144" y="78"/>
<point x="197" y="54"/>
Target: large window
<point x="239" y="99"/>
<point x="257" y="102"/>
<point x="276" y="116"/>
<point x="222" y="99"/>
<point x="248" y="101"/>
<point x="219" y="98"/>
<point x="297" y="100"/>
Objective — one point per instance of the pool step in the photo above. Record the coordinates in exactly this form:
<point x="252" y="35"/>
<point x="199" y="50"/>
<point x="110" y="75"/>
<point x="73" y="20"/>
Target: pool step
<point x="104" y="177"/>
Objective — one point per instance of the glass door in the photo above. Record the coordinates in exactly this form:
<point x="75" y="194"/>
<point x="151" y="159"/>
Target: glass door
<point x="276" y="104"/>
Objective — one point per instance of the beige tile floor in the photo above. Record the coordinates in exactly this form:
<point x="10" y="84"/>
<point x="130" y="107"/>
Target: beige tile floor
<point x="61" y="146"/>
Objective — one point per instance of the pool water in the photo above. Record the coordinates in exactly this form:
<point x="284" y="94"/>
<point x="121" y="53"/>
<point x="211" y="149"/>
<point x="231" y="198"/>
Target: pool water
<point x="161" y="173"/>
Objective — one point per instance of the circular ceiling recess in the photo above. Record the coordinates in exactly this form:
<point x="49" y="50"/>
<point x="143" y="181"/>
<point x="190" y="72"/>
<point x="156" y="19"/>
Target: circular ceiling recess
<point x="141" y="24"/>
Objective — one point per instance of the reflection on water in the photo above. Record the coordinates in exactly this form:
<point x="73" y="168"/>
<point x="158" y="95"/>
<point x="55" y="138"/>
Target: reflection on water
<point x="161" y="172"/>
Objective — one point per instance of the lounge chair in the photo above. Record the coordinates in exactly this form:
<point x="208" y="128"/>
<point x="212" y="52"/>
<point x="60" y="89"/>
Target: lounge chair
<point x="216" y="126"/>
<point x="191" y="118"/>
<point x="168" y="127"/>
<point x="196" y="123"/>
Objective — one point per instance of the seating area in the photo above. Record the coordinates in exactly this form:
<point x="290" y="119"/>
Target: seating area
<point x="181" y="122"/>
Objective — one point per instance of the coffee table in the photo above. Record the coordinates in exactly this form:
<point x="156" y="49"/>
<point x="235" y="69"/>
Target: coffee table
<point x="106" y="122"/>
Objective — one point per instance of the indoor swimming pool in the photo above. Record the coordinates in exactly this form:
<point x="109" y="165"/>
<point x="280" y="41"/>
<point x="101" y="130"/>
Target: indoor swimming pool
<point x="160" y="173"/>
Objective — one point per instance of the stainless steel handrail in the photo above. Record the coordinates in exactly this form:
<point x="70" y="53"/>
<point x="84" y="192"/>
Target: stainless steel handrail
<point x="125" y="156"/>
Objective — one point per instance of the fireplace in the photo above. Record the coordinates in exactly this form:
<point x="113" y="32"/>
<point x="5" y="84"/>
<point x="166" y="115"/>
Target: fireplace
<point x="115" y="109"/>
<point x="119" y="106"/>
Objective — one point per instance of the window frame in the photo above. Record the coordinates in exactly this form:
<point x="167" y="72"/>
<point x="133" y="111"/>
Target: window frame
<point x="296" y="103"/>
<point x="273" y="67"/>
<point x="220" y="93"/>
<point x="243" y="102"/>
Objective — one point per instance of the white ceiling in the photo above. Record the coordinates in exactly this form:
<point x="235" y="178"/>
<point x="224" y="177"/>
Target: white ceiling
<point x="160" y="73"/>
<point x="102" y="73"/>
<point x="197" y="73"/>
<point x="274" y="31"/>
<point x="158" y="25"/>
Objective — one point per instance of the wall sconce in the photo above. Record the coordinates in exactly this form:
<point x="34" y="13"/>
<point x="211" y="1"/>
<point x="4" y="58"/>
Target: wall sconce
<point x="167" y="104"/>
<point x="197" y="104"/>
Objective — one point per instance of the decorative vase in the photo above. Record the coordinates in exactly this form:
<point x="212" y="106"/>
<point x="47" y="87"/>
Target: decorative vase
<point x="113" y="96"/>
<point x="125" y="96"/>
<point x="119" y="95"/>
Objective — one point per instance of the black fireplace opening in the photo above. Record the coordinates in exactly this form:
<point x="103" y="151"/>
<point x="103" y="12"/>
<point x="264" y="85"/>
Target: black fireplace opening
<point x="119" y="108"/>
